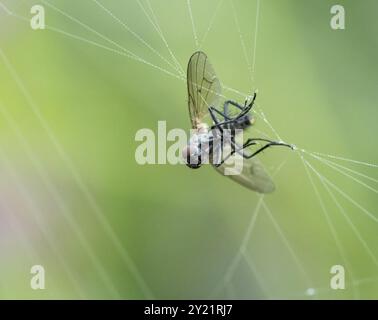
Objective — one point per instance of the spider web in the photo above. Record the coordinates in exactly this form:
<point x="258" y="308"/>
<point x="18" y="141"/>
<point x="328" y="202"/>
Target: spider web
<point x="334" y="201"/>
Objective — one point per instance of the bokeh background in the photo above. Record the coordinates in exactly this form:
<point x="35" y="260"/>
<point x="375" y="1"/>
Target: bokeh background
<point x="73" y="199"/>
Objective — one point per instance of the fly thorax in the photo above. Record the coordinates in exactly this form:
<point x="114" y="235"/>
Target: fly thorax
<point x="202" y="128"/>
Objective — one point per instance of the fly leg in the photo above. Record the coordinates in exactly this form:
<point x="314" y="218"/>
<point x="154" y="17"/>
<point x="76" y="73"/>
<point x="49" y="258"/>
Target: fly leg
<point x="218" y="129"/>
<point x="248" y="107"/>
<point x="270" y="143"/>
<point x="217" y="124"/>
<point x="243" y="109"/>
<point x="235" y="149"/>
<point x="251" y="142"/>
<point x="233" y="103"/>
<point x="224" y="114"/>
<point x="227" y="120"/>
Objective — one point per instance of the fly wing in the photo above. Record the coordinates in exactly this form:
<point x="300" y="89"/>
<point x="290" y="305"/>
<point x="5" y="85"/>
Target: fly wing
<point x="204" y="88"/>
<point x="253" y="174"/>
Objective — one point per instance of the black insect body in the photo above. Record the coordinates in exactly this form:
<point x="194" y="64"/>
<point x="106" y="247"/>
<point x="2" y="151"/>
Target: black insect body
<point x="218" y="142"/>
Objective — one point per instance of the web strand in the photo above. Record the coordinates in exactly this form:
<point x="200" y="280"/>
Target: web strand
<point x="328" y="185"/>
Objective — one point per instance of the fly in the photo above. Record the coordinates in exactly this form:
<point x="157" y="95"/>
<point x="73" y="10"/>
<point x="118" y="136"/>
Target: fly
<point x="204" y="92"/>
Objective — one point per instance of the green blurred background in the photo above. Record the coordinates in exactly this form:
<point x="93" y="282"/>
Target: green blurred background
<point x="73" y="199"/>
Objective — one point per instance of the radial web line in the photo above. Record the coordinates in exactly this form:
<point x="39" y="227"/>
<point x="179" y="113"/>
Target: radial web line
<point x="350" y="223"/>
<point x="161" y="36"/>
<point x="37" y="217"/>
<point x="345" y="174"/>
<point x="343" y="167"/>
<point x="235" y="261"/>
<point x="329" y="223"/>
<point x="121" y="53"/>
<point x="228" y="88"/>
<point x="78" y="179"/>
<point x="137" y="36"/>
<point x="189" y="5"/>
<point x="343" y="159"/>
<point x="133" y="55"/>
<point x="261" y="114"/>
<point x="288" y="245"/>
<point x="263" y="134"/>
<point x="346" y="196"/>
<point x="211" y="23"/>
<point x="256" y="274"/>
<point x="115" y="51"/>
<point x="76" y="37"/>
<point x="258" y="110"/>
<point x="292" y="252"/>
<point x="85" y="26"/>
<point x="63" y="209"/>
<point x="242" y="248"/>
<point x="255" y="38"/>
<point x="7" y="11"/>
<point x="242" y="42"/>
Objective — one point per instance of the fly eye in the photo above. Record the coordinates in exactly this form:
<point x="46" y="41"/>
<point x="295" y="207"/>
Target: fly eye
<point x="192" y="157"/>
<point x="193" y="162"/>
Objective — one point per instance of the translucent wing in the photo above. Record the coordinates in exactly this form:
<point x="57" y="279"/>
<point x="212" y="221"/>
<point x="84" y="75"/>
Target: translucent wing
<point x="204" y="88"/>
<point x="252" y="175"/>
